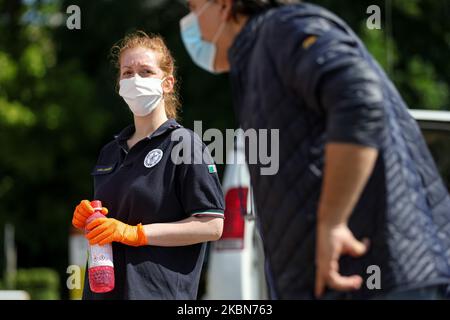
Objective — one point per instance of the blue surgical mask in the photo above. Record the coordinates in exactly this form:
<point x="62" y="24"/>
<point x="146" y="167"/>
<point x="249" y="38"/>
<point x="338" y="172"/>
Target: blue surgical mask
<point x="202" y="52"/>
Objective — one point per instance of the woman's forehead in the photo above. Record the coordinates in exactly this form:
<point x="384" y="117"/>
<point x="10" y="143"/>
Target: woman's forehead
<point x="138" y="56"/>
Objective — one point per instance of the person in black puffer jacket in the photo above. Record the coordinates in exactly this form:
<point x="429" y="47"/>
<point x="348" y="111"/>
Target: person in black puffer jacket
<point x="357" y="189"/>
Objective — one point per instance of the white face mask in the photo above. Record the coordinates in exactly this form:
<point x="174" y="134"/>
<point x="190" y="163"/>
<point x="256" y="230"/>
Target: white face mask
<point x="142" y="95"/>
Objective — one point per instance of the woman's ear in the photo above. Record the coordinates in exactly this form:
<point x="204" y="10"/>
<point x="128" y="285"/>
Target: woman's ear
<point x="168" y="84"/>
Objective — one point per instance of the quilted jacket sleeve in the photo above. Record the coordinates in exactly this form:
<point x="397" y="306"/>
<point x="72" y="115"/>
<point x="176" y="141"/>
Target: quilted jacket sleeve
<point x="326" y="69"/>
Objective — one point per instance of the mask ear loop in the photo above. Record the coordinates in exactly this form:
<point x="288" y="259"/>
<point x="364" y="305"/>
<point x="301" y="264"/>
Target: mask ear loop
<point x="218" y="33"/>
<point x="202" y="9"/>
<point x="222" y="26"/>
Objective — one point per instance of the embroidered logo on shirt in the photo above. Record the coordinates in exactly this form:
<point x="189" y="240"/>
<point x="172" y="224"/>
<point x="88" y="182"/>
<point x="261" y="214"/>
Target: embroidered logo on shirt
<point x="153" y="157"/>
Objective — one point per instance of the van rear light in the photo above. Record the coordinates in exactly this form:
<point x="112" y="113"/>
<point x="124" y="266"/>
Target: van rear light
<point x="233" y="227"/>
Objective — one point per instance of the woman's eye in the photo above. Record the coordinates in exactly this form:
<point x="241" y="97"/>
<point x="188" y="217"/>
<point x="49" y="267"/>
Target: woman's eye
<point x="146" y="73"/>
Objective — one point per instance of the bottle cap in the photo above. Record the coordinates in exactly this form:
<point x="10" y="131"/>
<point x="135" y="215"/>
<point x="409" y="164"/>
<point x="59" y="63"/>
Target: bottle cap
<point x="96" y="204"/>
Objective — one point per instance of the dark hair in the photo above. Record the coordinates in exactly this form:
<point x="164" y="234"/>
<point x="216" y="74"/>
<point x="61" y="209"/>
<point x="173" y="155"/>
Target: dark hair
<point x="251" y="7"/>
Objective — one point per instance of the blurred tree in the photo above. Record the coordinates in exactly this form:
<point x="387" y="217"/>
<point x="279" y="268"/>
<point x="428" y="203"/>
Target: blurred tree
<point x="43" y="134"/>
<point x="40" y="283"/>
<point x="58" y="104"/>
<point x="412" y="45"/>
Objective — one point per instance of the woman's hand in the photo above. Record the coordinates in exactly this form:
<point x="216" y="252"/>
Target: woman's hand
<point x="82" y="212"/>
<point x="106" y="230"/>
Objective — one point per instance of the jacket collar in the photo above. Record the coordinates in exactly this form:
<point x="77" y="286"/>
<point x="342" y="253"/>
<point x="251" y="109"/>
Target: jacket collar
<point x="243" y="42"/>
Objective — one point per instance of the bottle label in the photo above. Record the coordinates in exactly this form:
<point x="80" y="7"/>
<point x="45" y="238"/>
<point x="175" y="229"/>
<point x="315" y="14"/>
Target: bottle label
<point x="100" y="256"/>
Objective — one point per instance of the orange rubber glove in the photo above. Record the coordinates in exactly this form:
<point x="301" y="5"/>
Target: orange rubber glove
<point x="107" y="230"/>
<point x="82" y="212"/>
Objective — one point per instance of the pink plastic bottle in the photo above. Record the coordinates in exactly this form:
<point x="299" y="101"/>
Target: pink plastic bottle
<point x="100" y="259"/>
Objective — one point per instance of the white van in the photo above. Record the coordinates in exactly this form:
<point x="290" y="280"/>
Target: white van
<point x="235" y="268"/>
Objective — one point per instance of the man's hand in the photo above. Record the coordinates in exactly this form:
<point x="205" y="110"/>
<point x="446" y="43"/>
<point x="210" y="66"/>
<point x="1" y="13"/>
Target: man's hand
<point x="347" y="169"/>
<point x="332" y="242"/>
<point x="107" y="230"/>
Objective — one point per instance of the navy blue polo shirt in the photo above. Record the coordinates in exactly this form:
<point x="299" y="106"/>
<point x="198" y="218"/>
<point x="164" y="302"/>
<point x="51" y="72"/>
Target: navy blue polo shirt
<point x="146" y="185"/>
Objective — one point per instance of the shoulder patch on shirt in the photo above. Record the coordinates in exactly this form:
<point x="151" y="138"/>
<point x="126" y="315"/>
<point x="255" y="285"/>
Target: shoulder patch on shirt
<point x="153" y="157"/>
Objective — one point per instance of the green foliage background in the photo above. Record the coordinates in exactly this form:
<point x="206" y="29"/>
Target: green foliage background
<point x="58" y="104"/>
